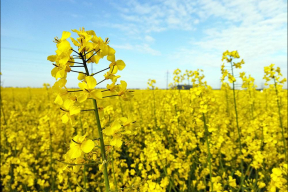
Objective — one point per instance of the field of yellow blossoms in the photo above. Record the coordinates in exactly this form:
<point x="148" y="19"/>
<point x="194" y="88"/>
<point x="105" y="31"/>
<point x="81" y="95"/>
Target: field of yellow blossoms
<point x="88" y="139"/>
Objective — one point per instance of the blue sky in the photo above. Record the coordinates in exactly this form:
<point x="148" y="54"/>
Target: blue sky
<point x="151" y="37"/>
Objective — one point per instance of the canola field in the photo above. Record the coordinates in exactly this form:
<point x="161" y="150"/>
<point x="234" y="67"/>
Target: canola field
<point x="88" y="139"/>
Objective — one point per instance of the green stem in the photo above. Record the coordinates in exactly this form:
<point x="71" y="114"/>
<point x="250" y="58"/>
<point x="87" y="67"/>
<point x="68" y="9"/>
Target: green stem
<point x="227" y="103"/>
<point x="238" y="129"/>
<point x="208" y="148"/>
<point x="73" y="164"/>
<point x="171" y="180"/>
<point x="84" y="176"/>
<point x="84" y="167"/>
<point x="115" y="180"/>
<point x="51" y="158"/>
<point x="280" y="120"/>
<point x="102" y="146"/>
<point x="155" y="119"/>
<point x="48" y="95"/>
<point x="5" y="122"/>
<point x="251" y="105"/>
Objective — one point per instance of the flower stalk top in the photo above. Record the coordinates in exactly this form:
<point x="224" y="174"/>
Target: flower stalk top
<point x="90" y="49"/>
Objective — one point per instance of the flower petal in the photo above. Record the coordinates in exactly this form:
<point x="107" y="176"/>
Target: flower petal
<point x="96" y="94"/>
<point x="75" y="152"/>
<point x="82" y="85"/>
<point x="116" y="141"/>
<point x="65" y="35"/>
<point x="91" y="82"/>
<point x="111" y="130"/>
<point x="87" y="146"/>
<point x="52" y="58"/>
<point x="82" y="97"/>
<point x="58" y="100"/>
<point x="65" y="118"/>
<point x="120" y="64"/>
<point x="74" y="110"/>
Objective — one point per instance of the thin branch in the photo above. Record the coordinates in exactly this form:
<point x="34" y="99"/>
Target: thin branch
<point x="131" y="122"/>
<point x="75" y="91"/>
<point x="76" y="57"/>
<point x="75" y="141"/>
<point x="75" y="62"/>
<point x="111" y="96"/>
<point x="101" y="81"/>
<point x="92" y="55"/>
<point x="77" y="164"/>
<point x="78" y="71"/>
<point x="63" y="109"/>
<point x="105" y="90"/>
<point x="99" y="71"/>
<point x="88" y="52"/>
<point x="75" y="51"/>
<point x="112" y="69"/>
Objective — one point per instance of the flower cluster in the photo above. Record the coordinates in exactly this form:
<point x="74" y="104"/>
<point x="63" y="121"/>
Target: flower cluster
<point x="151" y="83"/>
<point x="272" y="73"/>
<point x="91" y="49"/>
<point x="228" y="57"/>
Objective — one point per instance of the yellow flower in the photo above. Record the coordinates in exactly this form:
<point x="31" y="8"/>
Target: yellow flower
<point x="70" y="110"/>
<point x="81" y="76"/>
<point x="114" y="131"/>
<point x="123" y="92"/>
<point x="177" y="72"/>
<point x="78" y="145"/>
<point x="261" y="185"/>
<point x="89" y="91"/>
<point x="232" y="182"/>
<point x="114" y="128"/>
<point x="116" y="65"/>
<point x="62" y="44"/>
<point x="111" y="76"/>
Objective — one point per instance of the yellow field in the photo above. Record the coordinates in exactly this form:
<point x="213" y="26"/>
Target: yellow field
<point x="165" y="147"/>
<point x="87" y="139"/>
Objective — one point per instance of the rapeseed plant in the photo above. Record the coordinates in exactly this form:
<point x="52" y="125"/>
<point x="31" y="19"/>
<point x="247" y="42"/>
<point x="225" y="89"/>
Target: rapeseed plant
<point x="183" y="140"/>
<point x="90" y="50"/>
<point x="229" y="56"/>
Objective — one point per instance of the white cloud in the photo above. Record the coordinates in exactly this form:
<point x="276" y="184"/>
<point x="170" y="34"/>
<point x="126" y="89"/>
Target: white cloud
<point x="259" y="37"/>
<point x="149" y="39"/>
<point x="130" y="29"/>
<point x="257" y="29"/>
<point x="142" y="48"/>
<point x="196" y="59"/>
<point x="163" y="15"/>
<point x="251" y="40"/>
<point x="158" y="16"/>
<point x="126" y="46"/>
<point x="145" y="48"/>
<point x="250" y="11"/>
